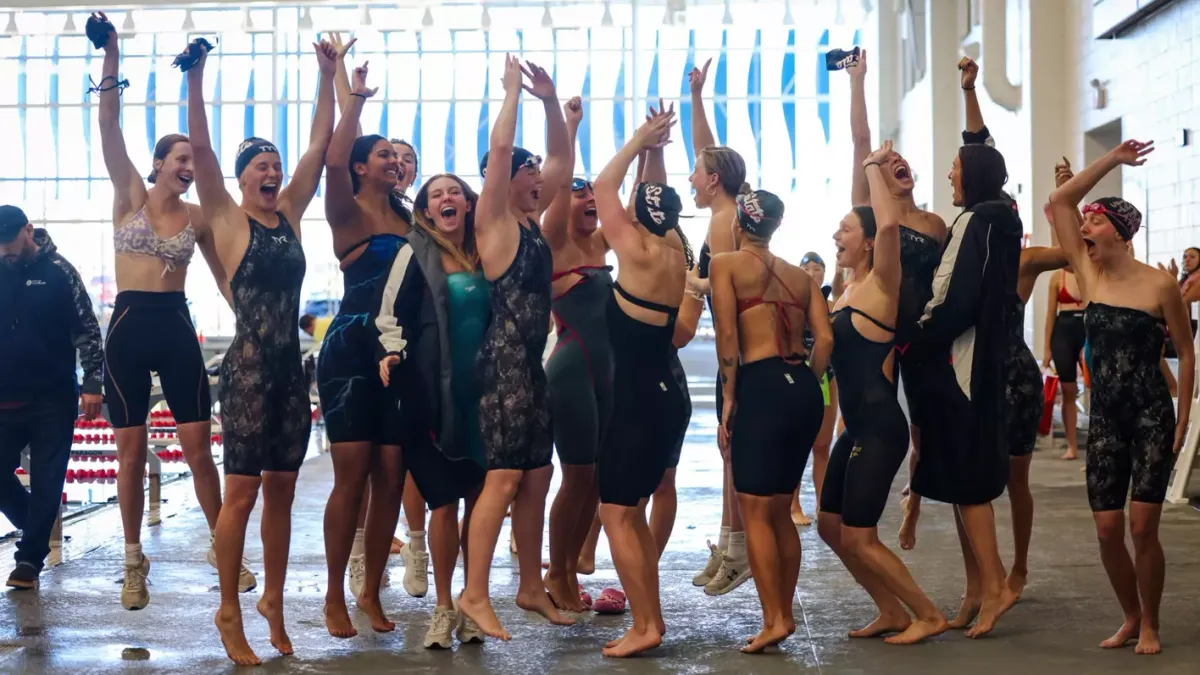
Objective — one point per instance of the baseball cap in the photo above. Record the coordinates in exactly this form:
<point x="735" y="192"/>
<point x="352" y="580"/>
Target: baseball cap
<point x="12" y="221"/>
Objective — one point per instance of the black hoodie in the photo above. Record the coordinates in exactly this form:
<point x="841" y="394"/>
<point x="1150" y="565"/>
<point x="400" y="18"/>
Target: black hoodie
<point x="45" y="316"/>
<point x="967" y="321"/>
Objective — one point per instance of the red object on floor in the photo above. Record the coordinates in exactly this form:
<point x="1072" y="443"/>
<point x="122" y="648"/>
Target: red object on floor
<point x="1049" y="394"/>
<point x="611" y="601"/>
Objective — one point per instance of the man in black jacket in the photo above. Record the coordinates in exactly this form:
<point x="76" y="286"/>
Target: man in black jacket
<point x="45" y="317"/>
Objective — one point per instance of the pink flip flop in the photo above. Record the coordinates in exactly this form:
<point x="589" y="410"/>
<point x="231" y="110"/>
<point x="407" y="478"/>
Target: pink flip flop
<point x="611" y="601"/>
<point x="584" y="597"/>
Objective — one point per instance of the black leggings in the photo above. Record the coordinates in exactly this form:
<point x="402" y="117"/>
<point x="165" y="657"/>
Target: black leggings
<point x="152" y="332"/>
<point x="1066" y="343"/>
<point x="859" y="476"/>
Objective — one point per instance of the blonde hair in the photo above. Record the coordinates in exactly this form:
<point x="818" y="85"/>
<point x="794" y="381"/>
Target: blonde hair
<point x="466" y="255"/>
<point x="729" y="167"/>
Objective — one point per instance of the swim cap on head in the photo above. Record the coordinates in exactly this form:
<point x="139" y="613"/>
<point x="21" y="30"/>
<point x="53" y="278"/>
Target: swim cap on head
<point x="1125" y="217"/>
<point x="657" y="207"/>
<point x="521" y="158"/>
<point x="759" y="213"/>
<point x="248" y="150"/>
<point x="812" y="257"/>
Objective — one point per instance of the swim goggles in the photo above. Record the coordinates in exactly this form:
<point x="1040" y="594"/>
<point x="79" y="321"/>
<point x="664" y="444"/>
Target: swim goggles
<point x="812" y="258"/>
<point x="579" y="184"/>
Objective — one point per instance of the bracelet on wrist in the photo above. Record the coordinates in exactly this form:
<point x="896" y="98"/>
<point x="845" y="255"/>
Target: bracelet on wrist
<point x="359" y="94"/>
<point x="968" y="88"/>
<point x="872" y="164"/>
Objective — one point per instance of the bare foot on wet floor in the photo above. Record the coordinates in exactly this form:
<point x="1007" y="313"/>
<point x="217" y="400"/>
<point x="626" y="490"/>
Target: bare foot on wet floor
<point x="883" y="624"/>
<point x="484" y="616"/>
<point x="1016" y="584"/>
<point x="768" y="637"/>
<point x="586" y="566"/>
<point x="540" y="602"/>
<point x="990" y="612"/>
<point x="563" y="594"/>
<point x="229" y="625"/>
<point x="373" y="608"/>
<point x="967" y="611"/>
<point x="337" y="620"/>
<point x="908" y="528"/>
<point x="633" y="643"/>
<point x="274" y="615"/>
<point x="1148" y="642"/>
<point x="1130" y="630"/>
<point x="919" y="630"/>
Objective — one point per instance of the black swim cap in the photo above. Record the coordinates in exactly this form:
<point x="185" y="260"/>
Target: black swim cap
<point x="248" y="150"/>
<point x="657" y="207"/>
<point x="521" y="158"/>
<point x="760" y="213"/>
<point x="1125" y="217"/>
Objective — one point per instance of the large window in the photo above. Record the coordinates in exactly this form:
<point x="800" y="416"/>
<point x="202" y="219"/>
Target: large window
<point x="768" y="96"/>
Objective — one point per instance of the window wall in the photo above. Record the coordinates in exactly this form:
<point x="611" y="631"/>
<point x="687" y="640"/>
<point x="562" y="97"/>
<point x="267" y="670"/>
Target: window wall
<point x="768" y="96"/>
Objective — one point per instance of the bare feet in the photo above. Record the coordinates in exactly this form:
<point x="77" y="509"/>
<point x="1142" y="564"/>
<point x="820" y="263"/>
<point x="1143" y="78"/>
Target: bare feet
<point x="563" y="594"/>
<point x="274" y="616"/>
<point x="908" y="528"/>
<point x="919" y="630"/>
<point x="374" y="611"/>
<point x="1070" y="454"/>
<point x="1148" y="643"/>
<point x="229" y="625"/>
<point x="883" y="624"/>
<point x="481" y="612"/>
<point x="1130" y="630"/>
<point x="541" y="603"/>
<point x="990" y="612"/>
<point x="769" y="637"/>
<point x="1016" y="584"/>
<point x="633" y="643"/>
<point x="337" y="620"/>
<point x="967" y="611"/>
<point x="798" y="517"/>
<point x="397" y="546"/>
<point x="586" y="566"/>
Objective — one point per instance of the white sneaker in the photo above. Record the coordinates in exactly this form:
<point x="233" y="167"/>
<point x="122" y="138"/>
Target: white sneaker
<point x="246" y="579"/>
<point x="710" y="568"/>
<point x="732" y="573"/>
<point x="358" y="574"/>
<point x="468" y="631"/>
<point x="416" y="571"/>
<point x="440" y="628"/>
<point x="134" y="594"/>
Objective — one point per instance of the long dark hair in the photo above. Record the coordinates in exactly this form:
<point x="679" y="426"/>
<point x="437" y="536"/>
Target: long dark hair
<point x="1184" y="273"/>
<point x="983" y="174"/>
<point x="360" y="153"/>
<point x="866" y="216"/>
<point x="467" y="256"/>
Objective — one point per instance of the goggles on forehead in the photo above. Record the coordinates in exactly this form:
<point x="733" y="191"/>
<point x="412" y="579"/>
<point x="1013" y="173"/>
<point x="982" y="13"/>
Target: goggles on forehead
<point x="1097" y="208"/>
<point x="814" y="258"/>
<point x="531" y="162"/>
<point x="579" y="184"/>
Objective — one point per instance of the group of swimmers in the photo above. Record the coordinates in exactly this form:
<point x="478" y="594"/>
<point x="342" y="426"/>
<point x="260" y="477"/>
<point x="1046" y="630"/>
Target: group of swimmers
<point x="433" y="389"/>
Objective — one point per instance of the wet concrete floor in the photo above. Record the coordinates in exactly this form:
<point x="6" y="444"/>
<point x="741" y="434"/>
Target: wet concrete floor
<point x="75" y="624"/>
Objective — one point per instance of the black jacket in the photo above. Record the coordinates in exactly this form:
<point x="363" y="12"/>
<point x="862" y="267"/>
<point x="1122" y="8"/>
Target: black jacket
<point x="967" y="323"/>
<point x="45" y="317"/>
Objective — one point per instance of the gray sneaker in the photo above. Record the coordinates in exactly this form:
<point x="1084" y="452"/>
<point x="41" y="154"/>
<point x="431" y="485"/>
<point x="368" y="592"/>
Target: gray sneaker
<point x="732" y="573"/>
<point x="710" y="568"/>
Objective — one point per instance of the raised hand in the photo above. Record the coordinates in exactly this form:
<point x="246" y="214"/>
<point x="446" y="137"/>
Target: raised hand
<point x="1062" y="172"/>
<point x="1132" y="153"/>
<point x="327" y="57"/>
<point x="335" y="39"/>
<point x="655" y="113"/>
<point x="358" y="83"/>
<point x="573" y="111"/>
<point x="698" y="77"/>
<point x="513" y="77"/>
<point x="540" y="84"/>
<point x="858" y="69"/>
<point x="113" y="42"/>
<point x="969" y="70"/>
<point x="655" y="133"/>
<point x="201" y="48"/>
<point x="879" y="156"/>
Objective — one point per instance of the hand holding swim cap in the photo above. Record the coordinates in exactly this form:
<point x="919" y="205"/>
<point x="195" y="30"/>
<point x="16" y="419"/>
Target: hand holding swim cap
<point x="969" y="70"/>
<point x="358" y="85"/>
<point x="101" y="31"/>
<point x="760" y="213"/>
<point x="513" y="78"/>
<point x="858" y="68"/>
<point x="327" y="57"/>
<point x="194" y="56"/>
